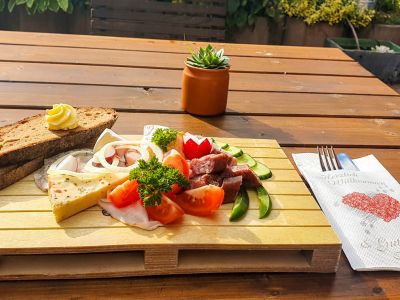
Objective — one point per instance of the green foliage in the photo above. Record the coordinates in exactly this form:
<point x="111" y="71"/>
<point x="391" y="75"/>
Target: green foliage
<point x="244" y="12"/>
<point x="41" y="6"/>
<point x="154" y="179"/>
<point x="208" y="58"/>
<point x="330" y="11"/>
<point x="163" y="137"/>
<point x="387" y="12"/>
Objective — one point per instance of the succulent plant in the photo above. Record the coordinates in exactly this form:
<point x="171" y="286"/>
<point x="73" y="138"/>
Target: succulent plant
<point x="208" y="58"/>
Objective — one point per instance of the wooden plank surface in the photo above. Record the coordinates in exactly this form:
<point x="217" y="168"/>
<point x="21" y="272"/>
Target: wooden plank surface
<point x="41" y="203"/>
<point x="344" y="285"/>
<point x="348" y="132"/>
<point x="139" y="77"/>
<point x="21" y="53"/>
<point x="28" y="95"/>
<point x="164" y="46"/>
<point x="27" y="226"/>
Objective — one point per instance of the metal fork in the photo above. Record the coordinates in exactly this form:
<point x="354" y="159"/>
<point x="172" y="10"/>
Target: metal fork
<point x="328" y="159"/>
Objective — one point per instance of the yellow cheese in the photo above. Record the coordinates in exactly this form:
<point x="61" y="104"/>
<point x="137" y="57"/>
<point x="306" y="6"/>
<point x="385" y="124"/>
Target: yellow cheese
<point x="70" y="194"/>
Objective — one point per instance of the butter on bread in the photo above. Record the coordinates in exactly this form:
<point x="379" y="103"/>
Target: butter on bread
<point x="71" y="194"/>
<point x="30" y="138"/>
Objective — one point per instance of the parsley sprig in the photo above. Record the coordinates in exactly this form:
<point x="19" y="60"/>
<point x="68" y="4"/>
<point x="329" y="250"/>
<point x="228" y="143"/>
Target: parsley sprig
<point x="163" y="137"/>
<point x="154" y="179"/>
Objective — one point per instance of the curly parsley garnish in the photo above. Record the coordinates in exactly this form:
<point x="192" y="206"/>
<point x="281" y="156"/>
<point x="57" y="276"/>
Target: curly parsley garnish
<point x="154" y="178"/>
<point x="163" y="137"/>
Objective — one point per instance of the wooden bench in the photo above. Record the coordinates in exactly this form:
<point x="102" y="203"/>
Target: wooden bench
<point x="182" y="19"/>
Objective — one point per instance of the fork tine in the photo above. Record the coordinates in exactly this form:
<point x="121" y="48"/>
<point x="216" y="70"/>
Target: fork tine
<point x="336" y="159"/>
<point x="331" y="157"/>
<point x="320" y="159"/>
<point x="325" y="151"/>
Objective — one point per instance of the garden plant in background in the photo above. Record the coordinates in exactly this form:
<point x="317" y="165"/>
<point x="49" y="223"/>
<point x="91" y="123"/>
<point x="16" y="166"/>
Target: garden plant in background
<point x="387" y="12"/>
<point x="41" y="6"/>
<point x="330" y="11"/>
<point x="205" y="82"/>
<point x="245" y="12"/>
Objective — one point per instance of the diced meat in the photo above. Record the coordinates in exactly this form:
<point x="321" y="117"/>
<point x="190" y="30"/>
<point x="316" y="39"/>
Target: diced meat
<point x="212" y="163"/>
<point x="250" y="179"/>
<point x="205" y="179"/>
<point x="231" y="186"/>
<point x="232" y="160"/>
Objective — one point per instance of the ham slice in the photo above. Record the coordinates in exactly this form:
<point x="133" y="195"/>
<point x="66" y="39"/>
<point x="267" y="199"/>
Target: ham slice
<point x="133" y="215"/>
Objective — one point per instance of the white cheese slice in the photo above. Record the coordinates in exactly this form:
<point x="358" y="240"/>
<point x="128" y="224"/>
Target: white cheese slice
<point x="106" y="137"/>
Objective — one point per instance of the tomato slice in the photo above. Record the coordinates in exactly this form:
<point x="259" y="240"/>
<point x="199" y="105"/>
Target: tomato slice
<point x="203" y="201"/>
<point x="124" y="194"/>
<point x="167" y="212"/>
<point x="175" y="160"/>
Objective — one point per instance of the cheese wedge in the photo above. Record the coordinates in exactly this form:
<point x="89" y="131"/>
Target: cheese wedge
<point x="71" y="194"/>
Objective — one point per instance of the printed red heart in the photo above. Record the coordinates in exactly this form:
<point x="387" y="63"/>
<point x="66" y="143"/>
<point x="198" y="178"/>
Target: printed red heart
<point x="381" y="205"/>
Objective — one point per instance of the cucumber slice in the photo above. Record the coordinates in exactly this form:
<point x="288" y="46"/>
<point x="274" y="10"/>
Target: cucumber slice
<point x="246" y="159"/>
<point x="265" y="203"/>
<point x="262" y="171"/>
<point x="221" y="145"/>
<point x="235" y="151"/>
<point x="241" y="205"/>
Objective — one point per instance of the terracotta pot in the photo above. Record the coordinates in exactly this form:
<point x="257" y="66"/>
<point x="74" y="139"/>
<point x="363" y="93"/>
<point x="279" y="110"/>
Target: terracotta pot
<point x="204" y="91"/>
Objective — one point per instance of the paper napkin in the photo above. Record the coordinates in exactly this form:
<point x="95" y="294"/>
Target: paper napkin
<point x="362" y="206"/>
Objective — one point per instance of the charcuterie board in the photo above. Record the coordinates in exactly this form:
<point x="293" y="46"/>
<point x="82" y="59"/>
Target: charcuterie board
<point x="295" y="237"/>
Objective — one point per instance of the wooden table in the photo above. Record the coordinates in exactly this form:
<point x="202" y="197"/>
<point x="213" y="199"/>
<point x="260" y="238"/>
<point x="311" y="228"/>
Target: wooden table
<point x="300" y="96"/>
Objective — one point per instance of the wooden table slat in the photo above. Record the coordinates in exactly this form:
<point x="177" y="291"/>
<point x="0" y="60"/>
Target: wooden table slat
<point x="36" y="95"/>
<point x="20" y="53"/>
<point x="289" y="131"/>
<point x="139" y="77"/>
<point x="165" y="46"/>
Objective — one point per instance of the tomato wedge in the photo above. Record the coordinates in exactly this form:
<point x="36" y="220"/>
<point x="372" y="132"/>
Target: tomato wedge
<point x="167" y="212"/>
<point x="203" y="201"/>
<point x="124" y="194"/>
<point x="175" y="160"/>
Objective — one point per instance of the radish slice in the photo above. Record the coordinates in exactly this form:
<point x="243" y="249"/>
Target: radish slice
<point x="109" y="153"/>
<point x="131" y="146"/>
<point x="95" y="161"/>
<point x="115" y="161"/>
<point x="120" y="151"/>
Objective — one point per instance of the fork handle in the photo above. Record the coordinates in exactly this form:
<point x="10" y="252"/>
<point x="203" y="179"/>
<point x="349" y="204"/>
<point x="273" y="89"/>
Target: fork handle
<point x="346" y="162"/>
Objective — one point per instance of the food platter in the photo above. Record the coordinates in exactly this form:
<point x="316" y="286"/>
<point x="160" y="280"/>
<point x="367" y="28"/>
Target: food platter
<point x="295" y="237"/>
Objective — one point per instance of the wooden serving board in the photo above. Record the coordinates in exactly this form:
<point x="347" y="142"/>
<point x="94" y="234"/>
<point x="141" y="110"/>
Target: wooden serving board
<point x="295" y="237"/>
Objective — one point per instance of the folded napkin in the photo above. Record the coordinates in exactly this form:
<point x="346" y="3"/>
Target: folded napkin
<point x="362" y="206"/>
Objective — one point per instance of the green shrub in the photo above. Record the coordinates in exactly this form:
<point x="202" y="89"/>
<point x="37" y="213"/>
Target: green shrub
<point x="330" y="11"/>
<point x="40" y="6"/>
<point x="387" y="12"/>
<point x="241" y="13"/>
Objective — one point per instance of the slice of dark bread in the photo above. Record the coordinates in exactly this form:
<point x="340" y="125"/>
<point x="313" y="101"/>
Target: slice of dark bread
<point x="11" y="174"/>
<point x="29" y="138"/>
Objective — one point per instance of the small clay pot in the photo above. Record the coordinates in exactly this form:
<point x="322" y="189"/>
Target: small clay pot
<point x="204" y="91"/>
